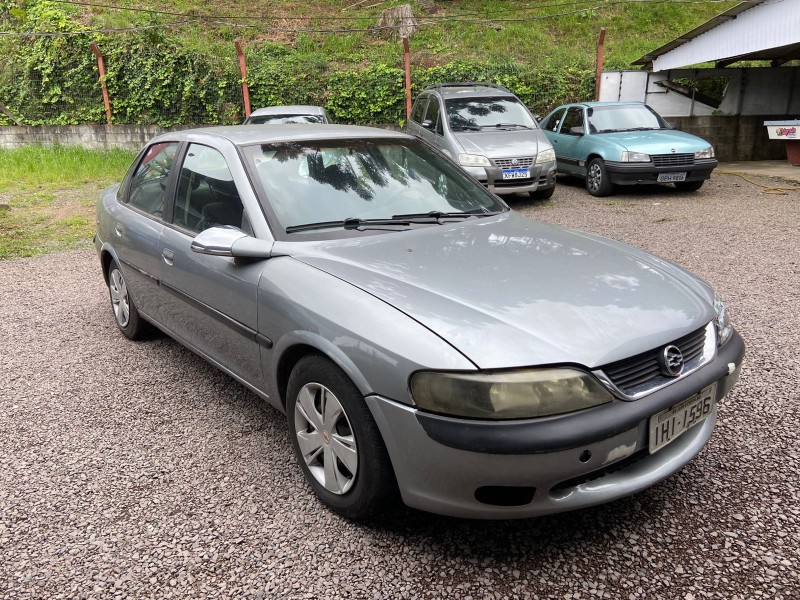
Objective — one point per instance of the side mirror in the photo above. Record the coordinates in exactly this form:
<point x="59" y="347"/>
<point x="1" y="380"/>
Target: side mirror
<point x="427" y="124"/>
<point x="231" y="242"/>
<point x="576" y="130"/>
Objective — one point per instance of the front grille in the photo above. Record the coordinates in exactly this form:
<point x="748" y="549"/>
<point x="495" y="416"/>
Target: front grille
<point x="632" y="372"/>
<point x="672" y="160"/>
<point x="507" y="163"/>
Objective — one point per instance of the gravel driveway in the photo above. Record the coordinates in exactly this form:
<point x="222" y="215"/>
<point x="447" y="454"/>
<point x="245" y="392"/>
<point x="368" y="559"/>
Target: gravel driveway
<point x="135" y="470"/>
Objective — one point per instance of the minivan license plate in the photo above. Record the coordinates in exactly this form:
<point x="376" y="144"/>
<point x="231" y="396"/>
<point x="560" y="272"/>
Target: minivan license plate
<point x="666" y="426"/>
<point x="516" y="174"/>
<point x="668" y="177"/>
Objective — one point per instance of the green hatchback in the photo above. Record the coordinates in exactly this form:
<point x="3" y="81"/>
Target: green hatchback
<point x="625" y="143"/>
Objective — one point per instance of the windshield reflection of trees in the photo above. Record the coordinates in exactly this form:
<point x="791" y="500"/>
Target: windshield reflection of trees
<point x="370" y="162"/>
<point x="463" y="114"/>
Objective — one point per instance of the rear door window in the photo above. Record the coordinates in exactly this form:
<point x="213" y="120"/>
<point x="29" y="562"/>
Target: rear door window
<point x="148" y="188"/>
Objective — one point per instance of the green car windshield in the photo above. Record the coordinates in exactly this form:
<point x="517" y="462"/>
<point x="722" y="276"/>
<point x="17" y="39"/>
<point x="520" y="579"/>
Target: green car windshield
<point x="348" y="180"/>
<point x="624" y="117"/>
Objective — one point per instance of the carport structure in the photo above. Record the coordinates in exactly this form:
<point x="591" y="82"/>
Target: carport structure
<point x="732" y="119"/>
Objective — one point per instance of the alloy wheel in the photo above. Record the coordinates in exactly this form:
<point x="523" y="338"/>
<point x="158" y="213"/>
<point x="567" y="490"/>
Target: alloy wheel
<point x="325" y="438"/>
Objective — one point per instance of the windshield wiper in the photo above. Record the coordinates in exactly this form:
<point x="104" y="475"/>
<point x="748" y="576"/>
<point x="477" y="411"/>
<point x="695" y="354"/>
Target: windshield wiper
<point x="434" y="216"/>
<point x="466" y="128"/>
<point x="500" y="125"/>
<point x="348" y="223"/>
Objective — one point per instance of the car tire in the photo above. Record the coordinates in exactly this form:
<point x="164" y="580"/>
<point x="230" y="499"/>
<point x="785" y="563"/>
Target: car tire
<point x="689" y="186"/>
<point x="543" y="194"/>
<point x="597" y="181"/>
<point x="126" y="316"/>
<point x="346" y="463"/>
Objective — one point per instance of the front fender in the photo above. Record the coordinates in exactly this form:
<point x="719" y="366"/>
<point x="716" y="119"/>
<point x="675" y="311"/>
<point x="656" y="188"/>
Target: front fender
<point x="377" y="345"/>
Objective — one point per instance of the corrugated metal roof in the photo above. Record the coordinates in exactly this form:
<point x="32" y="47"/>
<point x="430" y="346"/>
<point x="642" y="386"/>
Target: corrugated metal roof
<point x="778" y="52"/>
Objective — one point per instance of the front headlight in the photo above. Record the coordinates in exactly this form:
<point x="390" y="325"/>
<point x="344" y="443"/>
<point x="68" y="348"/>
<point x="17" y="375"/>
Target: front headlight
<point x="724" y="327"/>
<point x="473" y="160"/>
<point x="522" y="394"/>
<point x="634" y="157"/>
<point x="546" y="156"/>
<point x="707" y="153"/>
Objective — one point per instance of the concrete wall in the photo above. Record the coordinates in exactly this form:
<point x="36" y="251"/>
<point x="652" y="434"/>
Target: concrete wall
<point x="734" y="138"/>
<point x="131" y="137"/>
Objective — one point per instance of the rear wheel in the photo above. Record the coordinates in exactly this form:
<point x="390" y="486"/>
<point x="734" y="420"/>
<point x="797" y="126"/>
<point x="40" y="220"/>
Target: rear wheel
<point x="336" y="441"/>
<point x="597" y="181"/>
<point x="689" y="186"/>
<point x="543" y="194"/>
<point x="125" y="313"/>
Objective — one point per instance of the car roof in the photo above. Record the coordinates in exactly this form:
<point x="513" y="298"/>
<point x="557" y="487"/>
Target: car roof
<point x="246" y="135"/>
<point x="593" y="104"/>
<point x="469" y="90"/>
<point x="290" y="109"/>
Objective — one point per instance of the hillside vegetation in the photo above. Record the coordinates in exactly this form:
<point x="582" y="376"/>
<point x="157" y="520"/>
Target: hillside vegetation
<point x="174" y="61"/>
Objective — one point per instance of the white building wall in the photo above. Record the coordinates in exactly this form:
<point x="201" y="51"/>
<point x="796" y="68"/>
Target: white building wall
<point x="772" y="24"/>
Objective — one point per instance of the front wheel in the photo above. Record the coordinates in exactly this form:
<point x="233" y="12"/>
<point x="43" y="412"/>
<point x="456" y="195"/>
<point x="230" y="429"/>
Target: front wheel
<point x="597" y="181"/>
<point x="689" y="186"/>
<point x="543" y="194"/>
<point x="336" y="441"/>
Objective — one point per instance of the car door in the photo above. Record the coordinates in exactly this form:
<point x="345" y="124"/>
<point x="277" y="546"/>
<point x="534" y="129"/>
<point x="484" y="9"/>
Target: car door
<point x="137" y="223"/>
<point x="414" y="125"/>
<point x="568" y="142"/>
<point x="433" y="129"/>
<point x="212" y="302"/>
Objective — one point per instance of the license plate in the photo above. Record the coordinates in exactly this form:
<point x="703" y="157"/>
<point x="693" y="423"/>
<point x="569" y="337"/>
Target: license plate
<point x="668" y="425"/>
<point x="516" y="173"/>
<point x="669" y="177"/>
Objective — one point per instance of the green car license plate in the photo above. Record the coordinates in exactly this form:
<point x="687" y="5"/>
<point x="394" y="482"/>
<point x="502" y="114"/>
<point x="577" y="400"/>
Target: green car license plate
<point x="516" y="174"/>
<point x="670" y="177"/>
<point x="668" y="425"/>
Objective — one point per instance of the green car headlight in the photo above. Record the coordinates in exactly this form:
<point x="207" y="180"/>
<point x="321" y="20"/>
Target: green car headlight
<point x="521" y="394"/>
<point x="634" y="157"/>
<point x="545" y="156"/>
<point x="724" y="327"/>
<point x="473" y="160"/>
<point x="705" y="153"/>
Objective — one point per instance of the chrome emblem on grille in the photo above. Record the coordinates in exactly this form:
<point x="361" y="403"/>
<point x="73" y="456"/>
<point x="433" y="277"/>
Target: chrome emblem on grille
<point x="671" y="361"/>
<point x="514" y="161"/>
<point x="673" y="150"/>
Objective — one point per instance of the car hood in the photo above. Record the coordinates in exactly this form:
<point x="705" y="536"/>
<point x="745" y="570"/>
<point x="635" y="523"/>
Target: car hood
<point x="507" y="291"/>
<point x="657" y="142"/>
<point x="503" y="143"/>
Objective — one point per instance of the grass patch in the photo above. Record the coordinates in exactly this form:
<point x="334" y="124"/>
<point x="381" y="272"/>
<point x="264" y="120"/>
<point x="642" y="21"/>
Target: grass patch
<point x="51" y="195"/>
<point x="43" y="168"/>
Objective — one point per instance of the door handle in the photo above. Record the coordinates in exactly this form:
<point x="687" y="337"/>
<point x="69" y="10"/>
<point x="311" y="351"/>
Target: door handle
<point x="168" y="256"/>
<point x="118" y="230"/>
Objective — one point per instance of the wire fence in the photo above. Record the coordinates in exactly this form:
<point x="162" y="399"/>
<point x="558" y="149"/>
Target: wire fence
<point x="153" y="84"/>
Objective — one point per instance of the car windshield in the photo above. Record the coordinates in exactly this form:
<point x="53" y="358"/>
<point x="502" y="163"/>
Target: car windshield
<point x="353" y="180"/>
<point x="485" y="112"/>
<point x="624" y="117"/>
<point x="283" y="119"/>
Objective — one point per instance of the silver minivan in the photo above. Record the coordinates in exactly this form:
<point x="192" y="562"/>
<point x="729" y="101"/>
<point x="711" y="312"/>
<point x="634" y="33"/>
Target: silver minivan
<point x="490" y="133"/>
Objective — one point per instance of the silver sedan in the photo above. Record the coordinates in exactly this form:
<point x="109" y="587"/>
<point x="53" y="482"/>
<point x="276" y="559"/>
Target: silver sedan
<point x="424" y="340"/>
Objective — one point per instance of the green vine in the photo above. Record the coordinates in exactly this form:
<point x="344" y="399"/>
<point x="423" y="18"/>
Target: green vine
<point x="153" y="79"/>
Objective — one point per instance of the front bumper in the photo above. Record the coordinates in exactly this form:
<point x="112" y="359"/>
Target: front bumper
<point x="516" y="469"/>
<point x="543" y="176"/>
<point x="645" y="173"/>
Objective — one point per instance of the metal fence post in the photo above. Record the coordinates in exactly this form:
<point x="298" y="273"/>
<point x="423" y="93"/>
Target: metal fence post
<point x="102" y="67"/>
<point x="243" y="70"/>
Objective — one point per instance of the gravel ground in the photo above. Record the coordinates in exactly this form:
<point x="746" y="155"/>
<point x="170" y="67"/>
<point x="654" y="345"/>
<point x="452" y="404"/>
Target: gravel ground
<point x="135" y="470"/>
